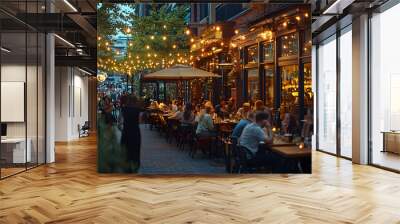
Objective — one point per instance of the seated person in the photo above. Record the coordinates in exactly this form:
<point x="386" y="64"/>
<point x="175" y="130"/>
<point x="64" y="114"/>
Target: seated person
<point x="222" y="110"/>
<point x="205" y="126"/>
<point x="242" y="113"/>
<point x="231" y="107"/>
<point x="237" y="131"/>
<point x="254" y="133"/>
<point x="289" y="124"/>
<point x="178" y="114"/>
<point x="209" y="104"/>
<point x="188" y="115"/>
<point x="174" y="106"/>
<point x="259" y="106"/>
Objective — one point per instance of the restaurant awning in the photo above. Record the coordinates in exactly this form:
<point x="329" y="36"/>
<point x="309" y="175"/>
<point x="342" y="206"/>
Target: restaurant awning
<point x="180" y="72"/>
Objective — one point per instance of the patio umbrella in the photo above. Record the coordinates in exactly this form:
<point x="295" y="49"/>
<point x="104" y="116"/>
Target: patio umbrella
<point x="180" y="72"/>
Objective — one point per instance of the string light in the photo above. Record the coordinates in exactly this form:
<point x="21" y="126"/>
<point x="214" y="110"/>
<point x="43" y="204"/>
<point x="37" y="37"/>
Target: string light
<point x="164" y="38"/>
<point x="152" y="37"/>
<point x="187" y="32"/>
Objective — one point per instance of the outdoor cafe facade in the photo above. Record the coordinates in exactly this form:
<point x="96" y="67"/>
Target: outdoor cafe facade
<point x="274" y="61"/>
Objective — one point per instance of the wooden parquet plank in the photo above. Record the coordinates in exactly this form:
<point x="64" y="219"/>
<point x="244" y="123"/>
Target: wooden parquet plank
<point x="71" y="191"/>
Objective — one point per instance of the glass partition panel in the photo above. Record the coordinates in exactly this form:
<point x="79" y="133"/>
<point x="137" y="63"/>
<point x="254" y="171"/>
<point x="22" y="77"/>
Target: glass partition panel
<point x="346" y="93"/>
<point x="15" y="149"/>
<point x="31" y="98"/>
<point x="41" y="79"/>
<point x="327" y="95"/>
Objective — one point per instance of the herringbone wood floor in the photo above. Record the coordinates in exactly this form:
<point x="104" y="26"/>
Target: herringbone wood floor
<point x="71" y="191"/>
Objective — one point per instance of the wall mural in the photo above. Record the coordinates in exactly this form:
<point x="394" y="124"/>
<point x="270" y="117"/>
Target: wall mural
<point x="171" y="102"/>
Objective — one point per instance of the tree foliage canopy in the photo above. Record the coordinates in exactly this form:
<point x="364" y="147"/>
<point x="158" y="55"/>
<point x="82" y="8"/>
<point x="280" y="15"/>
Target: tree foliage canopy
<point x="154" y="41"/>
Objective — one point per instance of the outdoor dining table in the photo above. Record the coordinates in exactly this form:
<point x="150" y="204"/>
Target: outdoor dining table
<point x="292" y="155"/>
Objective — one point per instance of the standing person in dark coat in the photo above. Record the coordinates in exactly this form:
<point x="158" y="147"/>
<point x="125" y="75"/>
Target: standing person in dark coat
<point x="131" y="137"/>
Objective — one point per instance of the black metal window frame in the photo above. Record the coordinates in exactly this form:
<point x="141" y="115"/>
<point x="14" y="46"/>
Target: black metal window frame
<point x="27" y="30"/>
<point x="339" y="32"/>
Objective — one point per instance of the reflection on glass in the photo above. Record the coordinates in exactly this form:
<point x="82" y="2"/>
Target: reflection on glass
<point x="252" y="54"/>
<point x="308" y="94"/>
<point x="346" y="95"/>
<point x="269" y="87"/>
<point x="268" y="52"/>
<point x="289" y="45"/>
<point x="327" y="96"/>
<point x="15" y="149"/>
<point x="385" y="85"/>
<point x="253" y="85"/>
<point x="289" y="91"/>
<point x="307" y="43"/>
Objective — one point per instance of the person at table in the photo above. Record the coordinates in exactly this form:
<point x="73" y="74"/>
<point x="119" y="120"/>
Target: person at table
<point x="222" y="110"/>
<point x="242" y="113"/>
<point x="259" y="107"/>
<point x="205" y="125"/>
<point x="210" y="105"/>
<point x="178" y="114"/>
<point x="237" y="131"/>
<point x="174" y="106"/>
<point x="254" y="133"/>
<point x="188" y="115"/>
<point x="231" y="107"/>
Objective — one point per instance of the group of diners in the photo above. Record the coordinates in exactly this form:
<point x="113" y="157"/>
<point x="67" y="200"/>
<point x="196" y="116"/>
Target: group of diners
<point x="252" y="124"/>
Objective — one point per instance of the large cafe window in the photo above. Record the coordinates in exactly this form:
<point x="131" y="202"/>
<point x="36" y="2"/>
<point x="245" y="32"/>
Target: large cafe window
<point x="289" y="45"/>
<point x="289" y="88"/>
<point x="308" y="94"/>
<point x="252" y="54"/>
<point x="269" y="86"/>
<point x="268" y="48"/>
<point x="306" y="51"/>
<point x="253" y="86"/>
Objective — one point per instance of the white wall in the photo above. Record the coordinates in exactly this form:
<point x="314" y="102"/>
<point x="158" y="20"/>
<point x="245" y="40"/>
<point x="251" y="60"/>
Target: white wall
<point x="71" y="102"/>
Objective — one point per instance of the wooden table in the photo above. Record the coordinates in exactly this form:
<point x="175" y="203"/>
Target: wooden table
<point x="292" y="151"/>
<point x="293" y="159"/>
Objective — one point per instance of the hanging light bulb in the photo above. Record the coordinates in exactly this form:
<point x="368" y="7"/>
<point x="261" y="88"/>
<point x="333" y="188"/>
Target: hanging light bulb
<point x="152" y="37"/>
<point x="164" y="38"/>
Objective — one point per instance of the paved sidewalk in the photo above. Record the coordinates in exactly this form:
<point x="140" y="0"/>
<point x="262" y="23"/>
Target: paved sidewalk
<point x="160" y="157"/>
